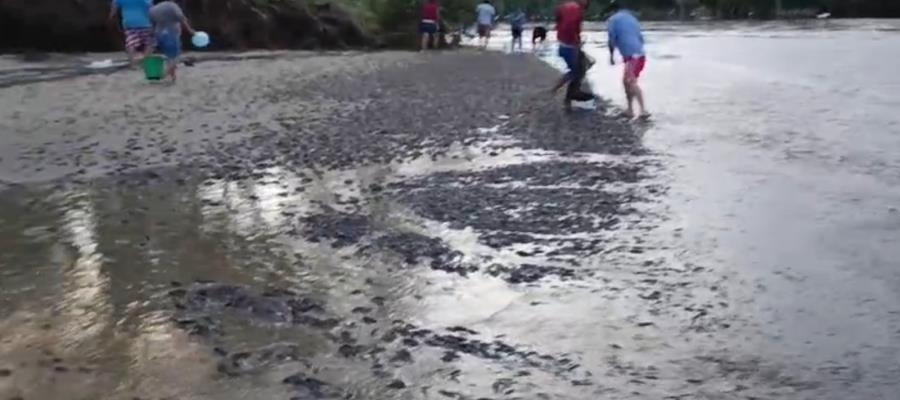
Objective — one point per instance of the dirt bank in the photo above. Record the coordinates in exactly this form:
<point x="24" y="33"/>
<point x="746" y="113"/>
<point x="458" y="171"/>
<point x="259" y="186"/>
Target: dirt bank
<point x="70" y="25"/>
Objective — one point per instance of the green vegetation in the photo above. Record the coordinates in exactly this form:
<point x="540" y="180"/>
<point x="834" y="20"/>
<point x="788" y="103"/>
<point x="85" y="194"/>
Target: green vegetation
<point x="719" y="8"/>
<point x="401" y="16"/>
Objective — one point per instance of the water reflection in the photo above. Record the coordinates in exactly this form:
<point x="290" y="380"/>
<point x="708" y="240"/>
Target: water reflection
<point x="84" y="308"/>
<point x="163" y="362"/>
<point x="249" y="206"/>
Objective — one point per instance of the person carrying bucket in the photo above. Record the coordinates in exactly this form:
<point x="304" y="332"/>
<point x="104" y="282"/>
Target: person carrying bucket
<point x="139" y="38"/>
<point x="168" y="19"/>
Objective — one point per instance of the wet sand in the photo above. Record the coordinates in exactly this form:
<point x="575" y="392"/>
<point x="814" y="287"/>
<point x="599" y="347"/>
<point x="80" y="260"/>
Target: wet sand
<point x="102" y="123"/>
<point x="369" y="226"/>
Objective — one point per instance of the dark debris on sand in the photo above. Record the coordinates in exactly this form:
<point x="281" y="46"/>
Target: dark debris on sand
<point x="340" y="229"/>
<point x="415" y="110"/>
<point x="217" y="303"/>
<point x="529" y="273"/>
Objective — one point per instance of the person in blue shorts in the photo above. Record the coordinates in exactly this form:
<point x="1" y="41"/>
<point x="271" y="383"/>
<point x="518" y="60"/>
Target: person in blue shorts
<point x="517" y="25"/>
<point x="429" y="26"/>
<point x="168" y="19"/>
<point x="569" y="17"/>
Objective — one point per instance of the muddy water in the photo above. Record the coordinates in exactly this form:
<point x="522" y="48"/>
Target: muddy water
<point x="741" y="246"/>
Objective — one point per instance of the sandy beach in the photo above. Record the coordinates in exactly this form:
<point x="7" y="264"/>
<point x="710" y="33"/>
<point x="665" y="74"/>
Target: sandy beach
<point x="101" y="121"/>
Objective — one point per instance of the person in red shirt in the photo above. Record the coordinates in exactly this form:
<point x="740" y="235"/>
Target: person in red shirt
<point x="569" y="17"/>
<point x="428" y="28"/>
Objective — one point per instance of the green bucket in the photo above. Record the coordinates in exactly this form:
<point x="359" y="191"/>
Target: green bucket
<point x="154" y="67"/>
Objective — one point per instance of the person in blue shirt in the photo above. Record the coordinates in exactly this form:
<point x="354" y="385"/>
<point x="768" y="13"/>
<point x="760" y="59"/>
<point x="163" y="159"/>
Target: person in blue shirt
<point x="517" y="23"/>
<point x="625" y="35"/>
<point x="485" y="16"/>
<point x="140" y="40"/>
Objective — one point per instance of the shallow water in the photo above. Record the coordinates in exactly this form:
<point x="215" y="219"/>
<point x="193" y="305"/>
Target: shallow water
<point x="782" y="141"/>
<point x="744" y="247"/>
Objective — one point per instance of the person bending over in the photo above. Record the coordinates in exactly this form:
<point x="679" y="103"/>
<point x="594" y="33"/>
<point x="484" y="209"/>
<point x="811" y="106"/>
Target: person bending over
<point x="625" y="35"/>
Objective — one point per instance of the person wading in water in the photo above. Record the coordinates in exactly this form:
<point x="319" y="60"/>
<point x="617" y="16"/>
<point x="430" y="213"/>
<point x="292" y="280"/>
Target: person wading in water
<point x="517" y="25"/>
<point x="625" y="35"/>
<point x="486" y="13"/>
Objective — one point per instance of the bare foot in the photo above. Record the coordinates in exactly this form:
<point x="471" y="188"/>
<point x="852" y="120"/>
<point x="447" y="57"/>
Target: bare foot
<point x="644" y="116"/>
